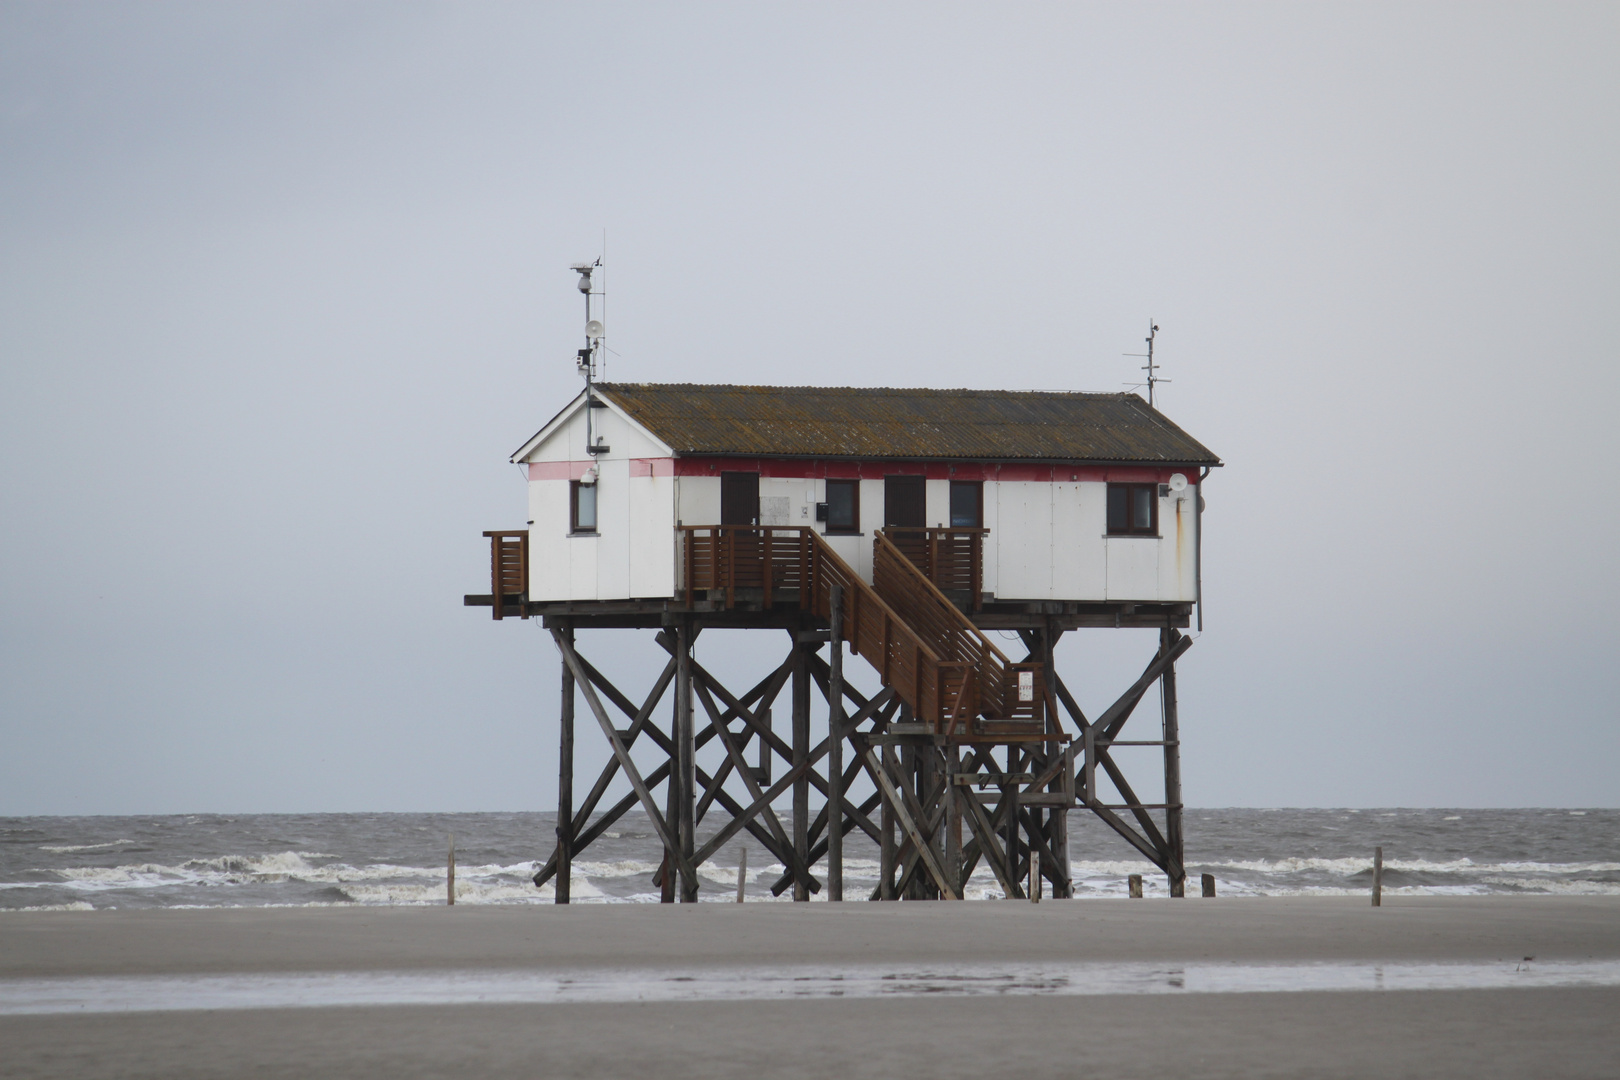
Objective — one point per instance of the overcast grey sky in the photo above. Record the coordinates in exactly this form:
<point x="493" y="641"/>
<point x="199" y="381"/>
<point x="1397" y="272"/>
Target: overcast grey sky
<point x="282" y="285"/>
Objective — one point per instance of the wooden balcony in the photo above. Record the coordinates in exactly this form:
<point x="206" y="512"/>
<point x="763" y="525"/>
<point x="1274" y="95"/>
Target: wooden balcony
<point x="953" y="559"/>
<point x="509" y="571"/>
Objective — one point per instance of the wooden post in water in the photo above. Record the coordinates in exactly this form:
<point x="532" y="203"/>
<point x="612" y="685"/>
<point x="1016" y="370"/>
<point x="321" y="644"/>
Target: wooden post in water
<point x="1034" y="874"/>
<point x="835" y="750"/>
<point x="1378" y="877"/>
<point x="450" y="877"/>
<point x="565" y="783"/>
<point x="1209" y="884"/>
<point x="1135" y="881"/>
<point x="742" y="872"/>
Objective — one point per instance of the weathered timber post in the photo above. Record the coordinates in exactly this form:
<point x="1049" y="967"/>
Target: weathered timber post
<point x="686" y="793"/>
<point x="801" y="756"/>
<point x="886" y="824"/>
<point x="1063" y="883"/>
<point x="953" y="820"/>
<point x="742" y="872"/>
<point x="1208" y="881"/>
<point x="835" y="750"/>
<point x="450" y="875"/>
<point x="672" y="786"/>
<point x="565" y="782"/>
<point x="1011" y="789"/>
<point x="1168" y="637"/>
<point x="1378" y="877"/>
<point x="1135" y="883"/>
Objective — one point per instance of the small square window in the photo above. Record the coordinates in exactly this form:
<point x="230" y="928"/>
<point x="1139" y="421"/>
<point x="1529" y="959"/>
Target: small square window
<point x="582" y="507"/>
<point x="843" y="506"/>
<point x="1133" y="510"/>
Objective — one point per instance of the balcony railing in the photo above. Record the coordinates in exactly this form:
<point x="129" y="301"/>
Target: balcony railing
<point x="953" y="559"/>
<point x="509" y="570"/>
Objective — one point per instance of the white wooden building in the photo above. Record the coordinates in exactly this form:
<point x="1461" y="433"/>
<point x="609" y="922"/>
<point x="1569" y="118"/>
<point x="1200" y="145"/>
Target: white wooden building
<point x="1089" y="498"/>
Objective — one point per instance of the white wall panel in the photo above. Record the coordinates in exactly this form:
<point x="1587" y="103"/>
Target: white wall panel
<point x="1133" y="568"/>
<point x="1024" y="556"/>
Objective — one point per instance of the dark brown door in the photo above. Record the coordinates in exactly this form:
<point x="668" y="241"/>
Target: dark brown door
<point x="903" y="502"/>
<point x="739" y="498"/>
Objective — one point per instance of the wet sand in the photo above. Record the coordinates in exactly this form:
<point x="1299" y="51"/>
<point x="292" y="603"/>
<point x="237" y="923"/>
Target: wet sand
<point x="1463" y="1033"/>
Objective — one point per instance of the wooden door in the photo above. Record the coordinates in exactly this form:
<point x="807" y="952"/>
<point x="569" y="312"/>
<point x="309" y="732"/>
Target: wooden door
<point x="903" y="502"/>
<point x="739" y="498"/>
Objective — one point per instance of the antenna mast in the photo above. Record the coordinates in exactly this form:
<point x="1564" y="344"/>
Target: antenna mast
<point x="586" y="362"/>
<point x="1150" y="367"/>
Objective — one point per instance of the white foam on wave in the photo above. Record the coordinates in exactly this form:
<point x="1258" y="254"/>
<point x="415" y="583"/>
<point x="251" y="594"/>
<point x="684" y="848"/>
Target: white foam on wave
<point x="67" y="849"/>
<point x="76" y="905"/>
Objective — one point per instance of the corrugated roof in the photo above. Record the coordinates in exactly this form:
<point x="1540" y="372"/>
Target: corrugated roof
<point x="863" y="422"/>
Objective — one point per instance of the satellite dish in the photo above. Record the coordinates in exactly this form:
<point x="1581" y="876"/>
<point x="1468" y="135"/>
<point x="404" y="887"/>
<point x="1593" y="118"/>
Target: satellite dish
<point x="1178" y="482"/>
<point x="593" y="329"/>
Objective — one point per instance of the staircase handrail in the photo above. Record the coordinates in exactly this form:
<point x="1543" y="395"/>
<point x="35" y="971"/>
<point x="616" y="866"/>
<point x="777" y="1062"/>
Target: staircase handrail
<point x="955" y="636"/>
<point x="886" y="649"/>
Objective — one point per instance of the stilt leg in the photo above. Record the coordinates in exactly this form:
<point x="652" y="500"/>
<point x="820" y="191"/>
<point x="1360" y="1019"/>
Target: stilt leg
<point x="1168" y="638"/>
<point x="684" y="752"/>
<point x="835" y="751"/>
<point x="886" y="826"/>
<point x="953" y="820"/>
<point x="801" y="754"/>
<point x="565" y="783"/>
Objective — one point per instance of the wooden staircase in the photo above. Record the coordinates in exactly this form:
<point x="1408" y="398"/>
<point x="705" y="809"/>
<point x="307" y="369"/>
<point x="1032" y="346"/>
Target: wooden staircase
<point x="954" y="679"/>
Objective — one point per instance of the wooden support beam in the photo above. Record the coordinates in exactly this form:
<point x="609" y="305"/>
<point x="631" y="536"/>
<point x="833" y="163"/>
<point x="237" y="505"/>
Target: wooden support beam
<point x="1168" y="639"/>
<point x="660" y="825"/>
<point x="835" y="751"/>
<point x="565" y="782"/>
<point x="894" y="798"/>
<point x="735" y="754"/>
<point x="684" y="761"/>
<point x="886" y="848"/>
<point x="801" y="754"/>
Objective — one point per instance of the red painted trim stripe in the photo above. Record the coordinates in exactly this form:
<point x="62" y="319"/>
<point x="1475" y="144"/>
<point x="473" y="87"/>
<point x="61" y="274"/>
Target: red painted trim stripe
<point x="838" y="469"/>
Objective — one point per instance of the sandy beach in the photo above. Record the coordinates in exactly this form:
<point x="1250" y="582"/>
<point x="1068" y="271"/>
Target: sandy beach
<point x="1503" y="1030"/>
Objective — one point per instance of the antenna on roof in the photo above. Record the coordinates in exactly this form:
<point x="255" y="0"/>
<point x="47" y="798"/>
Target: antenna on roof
<point x="1150" y="367"/>
<point x="587" y="357"/>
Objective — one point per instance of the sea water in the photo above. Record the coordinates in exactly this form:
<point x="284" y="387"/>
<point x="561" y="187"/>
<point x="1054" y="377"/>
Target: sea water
<point x="259" y="860"/>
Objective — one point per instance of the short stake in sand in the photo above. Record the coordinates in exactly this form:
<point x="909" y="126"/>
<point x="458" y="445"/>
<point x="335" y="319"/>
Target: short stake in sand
<point x="1209" y="884"/>
<point x="1135" y="881"/>
<point x="742" y="872"/>
<point x="450" y="878"/>
<point x="1378" y="877"/>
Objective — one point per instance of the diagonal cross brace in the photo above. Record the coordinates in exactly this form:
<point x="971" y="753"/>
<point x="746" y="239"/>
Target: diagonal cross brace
<point x="631" y="773"/>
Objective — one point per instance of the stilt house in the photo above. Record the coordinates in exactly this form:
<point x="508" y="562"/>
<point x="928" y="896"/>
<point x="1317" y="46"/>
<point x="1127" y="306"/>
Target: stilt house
<point x="905" y="524"/>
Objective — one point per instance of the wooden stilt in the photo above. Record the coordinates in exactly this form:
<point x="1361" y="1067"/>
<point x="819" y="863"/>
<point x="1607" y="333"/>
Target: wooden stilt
<point x="565" y="783"/>
<point x="801" y="754"/>
<point x="835" y="751"/>
<point x="953" y="821"/>
<point x="684" y="752"/>
<point x="887" y="848"/>
<point x="1169" y="637"/>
